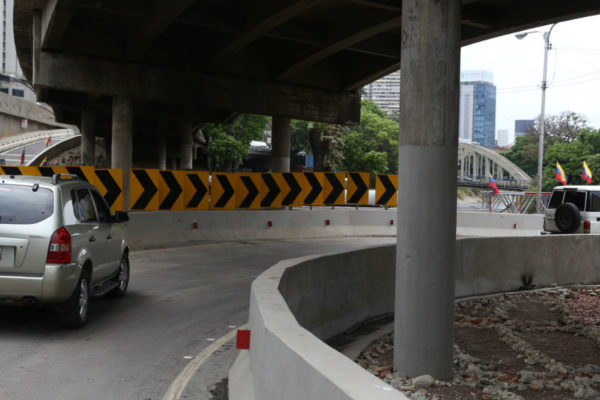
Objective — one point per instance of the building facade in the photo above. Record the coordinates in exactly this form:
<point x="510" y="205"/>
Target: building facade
<point x="522" y="126"/>
<point x="385" y="92"/>
<point x="502" y="137"/>
<point x="9" y="64"/>
<point x="477" y="119"/>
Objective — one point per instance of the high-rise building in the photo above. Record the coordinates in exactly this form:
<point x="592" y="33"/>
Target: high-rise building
<point x="9" y="64"/>
<point x="502" y="137"/>
<point x="385" y="92"/>
<point x="522" y="126"/>
<point x="477" y="118"/>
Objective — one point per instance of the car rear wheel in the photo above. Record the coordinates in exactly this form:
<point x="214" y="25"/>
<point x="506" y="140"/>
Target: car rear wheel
<point x="567" y="217"/>
<point x="74" y="313"/>
<point x="122" y="278"/>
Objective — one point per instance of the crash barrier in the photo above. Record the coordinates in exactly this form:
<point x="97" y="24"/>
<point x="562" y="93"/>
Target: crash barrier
<point x="297" y="303"/>
<point x="153" y="189"/>
<point x="512" y="202"/>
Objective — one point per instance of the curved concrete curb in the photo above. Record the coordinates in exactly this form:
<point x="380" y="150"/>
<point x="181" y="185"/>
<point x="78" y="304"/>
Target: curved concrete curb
<point x="57" y="149"/>
<point x="296" y="302"/>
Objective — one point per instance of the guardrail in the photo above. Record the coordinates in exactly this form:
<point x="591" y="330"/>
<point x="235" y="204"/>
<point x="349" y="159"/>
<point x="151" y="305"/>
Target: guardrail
<point x="296" y="303"/>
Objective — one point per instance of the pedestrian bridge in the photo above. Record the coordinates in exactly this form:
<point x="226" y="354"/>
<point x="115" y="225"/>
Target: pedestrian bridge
<point x="476" y="163"/>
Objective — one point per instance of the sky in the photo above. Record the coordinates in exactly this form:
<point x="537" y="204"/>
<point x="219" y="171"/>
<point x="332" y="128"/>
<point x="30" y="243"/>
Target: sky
<point x="573" y="72"/>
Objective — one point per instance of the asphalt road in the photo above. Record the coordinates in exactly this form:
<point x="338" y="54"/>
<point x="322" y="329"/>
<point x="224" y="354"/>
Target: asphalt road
<point x="13" y="157"/>
<point x="180" y="300"/>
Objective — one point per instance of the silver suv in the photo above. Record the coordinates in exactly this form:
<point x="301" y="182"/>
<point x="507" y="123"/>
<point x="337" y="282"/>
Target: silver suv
<point x="573" y="209"/>
<point x="59" y="245"/>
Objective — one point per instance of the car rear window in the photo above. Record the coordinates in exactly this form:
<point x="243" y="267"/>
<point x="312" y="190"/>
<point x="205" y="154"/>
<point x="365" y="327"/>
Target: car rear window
<point x="577" y="198"/>
<point x="22" y="205"/>
<point x="556" y="199"/>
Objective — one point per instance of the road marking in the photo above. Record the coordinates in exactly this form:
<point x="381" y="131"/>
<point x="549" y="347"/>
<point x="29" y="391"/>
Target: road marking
<point x="179" y="384"/>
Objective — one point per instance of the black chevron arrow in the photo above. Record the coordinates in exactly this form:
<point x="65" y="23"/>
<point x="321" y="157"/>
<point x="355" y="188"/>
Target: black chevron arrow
<point x="112" y="188"/>
<point x="45" y="171"/>
<point x="252" y="192"/>
<point x="77" y="171"/>
<point x="201" y="190"/>
<point x="316" y="188"/>
<point x="295" y="189"/>
<point x="390" y="190"/>
<point x="274" y="190"/>
<point x="227" y="191"/>
<point x="149" y="189"/>
<point x="336" y="188"/>
<point x="174" y="190"/>
<point x="12" y="170"/>
<point x="361" y="188"/>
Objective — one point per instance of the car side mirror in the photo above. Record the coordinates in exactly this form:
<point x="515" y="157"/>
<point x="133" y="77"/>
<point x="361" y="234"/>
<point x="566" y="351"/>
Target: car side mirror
<point x="121" y="216"/>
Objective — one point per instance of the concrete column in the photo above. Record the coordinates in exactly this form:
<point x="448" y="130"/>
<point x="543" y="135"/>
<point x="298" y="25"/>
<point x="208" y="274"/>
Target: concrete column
<point x="187" y="148"/>
<point x="487" y="167"/>
<point x="122" y="140"/>
<point x="280" y="145"/>
<point x="428" y="146"/>
<point x="161" y="150"/>
<point x="88" y="138"/>
<point x="171" y="163"/>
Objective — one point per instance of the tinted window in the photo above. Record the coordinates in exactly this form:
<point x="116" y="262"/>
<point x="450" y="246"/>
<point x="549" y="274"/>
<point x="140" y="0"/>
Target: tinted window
<point x="577" y="198"/>
<point x="556" y="199"/>
<point x="83" y="206"/>
<point x="101" y="207"/>
<point x="593" y="201"/>
<point x="21" y="205"/>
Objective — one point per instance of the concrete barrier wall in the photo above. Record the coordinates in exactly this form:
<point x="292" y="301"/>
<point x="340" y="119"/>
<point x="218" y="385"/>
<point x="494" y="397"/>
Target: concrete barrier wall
<point x="14" y="109"/>
<point x="161" y="228"/>
<point x="296" y="302"/>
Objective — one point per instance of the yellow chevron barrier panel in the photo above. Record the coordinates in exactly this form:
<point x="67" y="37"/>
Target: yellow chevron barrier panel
<point x="248" y="192"/>
<point x="272" y="186"/>
<point x="110" y="184"/>
<point x="386" y="189"/>
<point x="170" y="190"/>
<point x="358" y="188"/>
<point x="334" y="185"/>
<point x="144" y="189"/>
<point x="222" y="191"/>
<point x="195" y="190"/>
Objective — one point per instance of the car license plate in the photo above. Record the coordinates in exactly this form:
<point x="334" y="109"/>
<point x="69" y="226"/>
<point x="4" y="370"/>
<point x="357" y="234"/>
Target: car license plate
<point x="7" y="257"/>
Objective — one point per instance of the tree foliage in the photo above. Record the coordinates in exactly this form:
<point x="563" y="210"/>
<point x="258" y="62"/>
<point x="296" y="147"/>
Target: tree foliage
<point x="226" y="145"/>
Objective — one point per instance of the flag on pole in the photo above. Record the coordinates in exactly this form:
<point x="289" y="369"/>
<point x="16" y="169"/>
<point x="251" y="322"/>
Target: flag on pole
<point x="560" y="174"/>
<point x="44" y="162"/>
<point x="22" y="156"/>
<point x="48" y="140"/>
<point x="492" y="184"/>
<point x="586" y="174"/>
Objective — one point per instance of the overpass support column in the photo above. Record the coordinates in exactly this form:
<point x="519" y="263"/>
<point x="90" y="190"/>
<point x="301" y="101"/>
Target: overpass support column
<point x="187" y="148"/>
<point x="280" y="145"/>
<point x="428" y="147"/>
<point x="161" y="151"/>
<point x="88" y="137"/>
<point x="122" y="140"/>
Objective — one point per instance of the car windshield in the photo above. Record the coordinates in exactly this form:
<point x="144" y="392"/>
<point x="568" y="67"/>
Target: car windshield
<point x="23" y="205"/>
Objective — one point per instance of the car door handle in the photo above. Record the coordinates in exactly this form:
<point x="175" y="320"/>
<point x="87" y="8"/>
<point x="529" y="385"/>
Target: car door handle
<point x="92" y="239"/>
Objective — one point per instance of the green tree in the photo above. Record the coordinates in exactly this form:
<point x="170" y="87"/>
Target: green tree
<point x="371" y="146"/>
<point x="226" y="145"/>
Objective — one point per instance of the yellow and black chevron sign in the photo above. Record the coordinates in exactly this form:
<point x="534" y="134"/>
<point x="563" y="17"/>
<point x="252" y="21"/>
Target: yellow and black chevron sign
<point x="296" y="189"/>
<point x="334" y="188"/>
<point x="222" y="191"/>
<point x="144" y="189"/>
<point x="19" y="170"/>
<point x="386" y="187"/>
<point x="110" y="184"/>
<point x="195" y="190"/>
<point x="316" y="194"/>
<point x="170" y="190"/>
<point x="248" y="190"/>
<point x="358" y="188"/>
<point x="271" y="187"/>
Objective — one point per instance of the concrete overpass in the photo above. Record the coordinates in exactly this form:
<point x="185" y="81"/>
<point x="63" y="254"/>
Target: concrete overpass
<point x="147" y="72"/>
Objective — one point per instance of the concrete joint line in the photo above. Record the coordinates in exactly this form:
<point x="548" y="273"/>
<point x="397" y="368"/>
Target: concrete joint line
<point x="179" y="384"/>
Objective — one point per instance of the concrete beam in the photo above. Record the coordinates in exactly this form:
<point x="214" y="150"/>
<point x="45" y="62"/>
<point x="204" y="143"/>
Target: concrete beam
<point x="101" y="77"/>
<point x="343" y="38"/>
<point x="56" y="17"/>
<point x="263" y="24"/>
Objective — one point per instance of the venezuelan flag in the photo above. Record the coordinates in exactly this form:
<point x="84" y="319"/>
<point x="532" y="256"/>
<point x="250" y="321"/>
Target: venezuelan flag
<point x="586" y="174"/>
<point x="492" y="184"/>
<point x="560" y="174"/>
<point x="44" y="162"/>
<point x="22" y="156"/>
<point x="48" y="140"/>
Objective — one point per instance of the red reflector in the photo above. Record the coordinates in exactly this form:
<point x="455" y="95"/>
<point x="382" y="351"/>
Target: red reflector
<point x="327" y="222"/>
<point x="269" y="223"/>
<point x="59" y="250"/>
<point x="514" y="226"/>
<point x="586" y="226"/>
<point x="195" y="225"/>
<point x="243" y="339"/>
<point x="391" y="222"/>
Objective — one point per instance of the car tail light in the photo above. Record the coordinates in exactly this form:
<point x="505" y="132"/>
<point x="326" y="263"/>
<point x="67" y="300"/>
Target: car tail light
<point x="586" y="226"/>
<point x="59" y="251"/>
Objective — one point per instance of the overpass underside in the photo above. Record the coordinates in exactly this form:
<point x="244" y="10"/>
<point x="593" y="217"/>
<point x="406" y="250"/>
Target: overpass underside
<point x="143" y="71"/>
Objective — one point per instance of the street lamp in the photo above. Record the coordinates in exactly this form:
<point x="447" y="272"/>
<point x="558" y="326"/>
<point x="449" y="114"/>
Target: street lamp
<point x="547" y="47"/>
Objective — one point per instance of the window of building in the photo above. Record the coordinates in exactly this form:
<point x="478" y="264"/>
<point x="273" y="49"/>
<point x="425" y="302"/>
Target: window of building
<point x="18" y="93"/>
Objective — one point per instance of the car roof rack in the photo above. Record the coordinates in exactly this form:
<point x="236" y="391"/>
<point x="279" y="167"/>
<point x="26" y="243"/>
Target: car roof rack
<point x="56" y="178"/>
